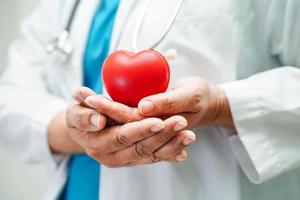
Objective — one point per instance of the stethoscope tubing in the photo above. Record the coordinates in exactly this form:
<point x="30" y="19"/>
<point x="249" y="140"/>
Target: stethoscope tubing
<point x="72" y="16"/>
<point x="53" y="45"/>
<point x="164" y="33"/>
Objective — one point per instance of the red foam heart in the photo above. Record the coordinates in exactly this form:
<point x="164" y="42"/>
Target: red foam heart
<point x="129" y="77"/>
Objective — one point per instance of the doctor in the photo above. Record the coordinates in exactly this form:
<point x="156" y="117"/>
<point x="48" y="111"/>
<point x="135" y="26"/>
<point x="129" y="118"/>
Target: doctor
<point x="257" y="129"/>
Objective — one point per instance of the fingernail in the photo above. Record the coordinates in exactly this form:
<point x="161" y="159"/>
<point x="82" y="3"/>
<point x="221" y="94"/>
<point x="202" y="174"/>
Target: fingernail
<point x="179" y="126"/>
<point x="146" y="107"/>
<point x="95" y="120"/>
<point x="89" y="101"/>
<point x="189" y="138"/>
<point x="180" y="158"/>
<point x="187" y="141"/>
<point x="156" y="128"/>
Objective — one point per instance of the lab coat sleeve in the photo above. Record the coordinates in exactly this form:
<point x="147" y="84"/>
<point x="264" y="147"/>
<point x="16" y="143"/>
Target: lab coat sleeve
<point x="26" y="105"/>
<point x="266" y="106"/>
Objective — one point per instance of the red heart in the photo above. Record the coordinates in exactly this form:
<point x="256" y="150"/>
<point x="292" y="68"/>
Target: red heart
<point x="129" y="77"/>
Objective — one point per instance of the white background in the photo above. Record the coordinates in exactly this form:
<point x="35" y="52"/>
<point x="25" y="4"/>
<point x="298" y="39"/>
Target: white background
<point x="17" y="180"/>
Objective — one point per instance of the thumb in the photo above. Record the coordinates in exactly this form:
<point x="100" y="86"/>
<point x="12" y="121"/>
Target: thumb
<point x="169" y="103"/>
<point x="114" y="110"/>
<point x="81" y="94"/>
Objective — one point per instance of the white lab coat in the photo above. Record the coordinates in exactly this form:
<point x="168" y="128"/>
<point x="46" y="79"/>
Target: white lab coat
<point x="220" y="41"/>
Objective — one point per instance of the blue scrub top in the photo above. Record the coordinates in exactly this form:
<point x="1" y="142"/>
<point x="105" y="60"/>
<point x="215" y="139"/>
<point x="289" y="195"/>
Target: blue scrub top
<point x="84" y="172"/>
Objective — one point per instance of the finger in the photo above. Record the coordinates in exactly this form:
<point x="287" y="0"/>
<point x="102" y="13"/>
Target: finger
<point x="147" y="147"/>
<point x="120" y="137"/>
<point x="175" y="146"/>
<point x="117" y="111"/>
<point x="182" y="156"/>
<point x="81" y="94"/>
<point x="172" y="102"/>
<point x="85" y="119"/>
<point x="173" y="151"/>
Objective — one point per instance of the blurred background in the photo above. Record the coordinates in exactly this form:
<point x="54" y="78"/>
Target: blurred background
<point x="17" y="181"/>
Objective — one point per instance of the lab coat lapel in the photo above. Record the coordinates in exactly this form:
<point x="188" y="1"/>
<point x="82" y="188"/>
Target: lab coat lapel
<point x="79" y="35"/>
<point x="125" y="8"/>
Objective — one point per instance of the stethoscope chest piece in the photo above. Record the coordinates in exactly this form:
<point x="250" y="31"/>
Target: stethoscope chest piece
<point x="61" y="46"/>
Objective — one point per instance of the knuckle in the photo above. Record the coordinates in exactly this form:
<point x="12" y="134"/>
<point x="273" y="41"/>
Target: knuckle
<point x="144" y="133"/>
<point x="169" y="152"/>
<point x="162" y="155"/>
<point x="122" y="140"/>
<point x="195" y="102"/>
<point x="155" y="158"/>
<point x="143" y="150"/>
<point x="169" y="105"/>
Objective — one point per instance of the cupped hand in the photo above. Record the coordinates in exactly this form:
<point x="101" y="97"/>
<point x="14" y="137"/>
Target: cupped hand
<point x="139" y="142"/>
<point x="142" y="142"/>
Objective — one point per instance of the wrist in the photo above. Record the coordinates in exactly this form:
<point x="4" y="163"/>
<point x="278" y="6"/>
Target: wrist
<point x="58" y="138"/>
<point x="223" y="114"/>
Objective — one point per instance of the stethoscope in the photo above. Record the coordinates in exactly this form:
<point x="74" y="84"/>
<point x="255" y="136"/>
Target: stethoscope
<point x="62" y="45"/>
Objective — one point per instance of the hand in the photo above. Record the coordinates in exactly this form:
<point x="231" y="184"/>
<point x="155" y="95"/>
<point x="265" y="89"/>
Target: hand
<point x="143" y="142"/>
<point x="82" y="117"/>
<point x="146" y="141"/>
<point x="193" y="98"/>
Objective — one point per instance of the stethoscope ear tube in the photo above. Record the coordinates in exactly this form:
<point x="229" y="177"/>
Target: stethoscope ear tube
<point x="164" y="33"/>
<point x="62" y="44"/>
<point x="72" y="16"/>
